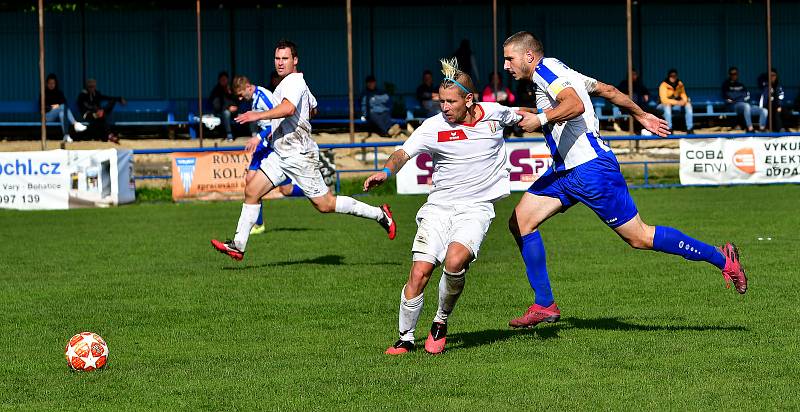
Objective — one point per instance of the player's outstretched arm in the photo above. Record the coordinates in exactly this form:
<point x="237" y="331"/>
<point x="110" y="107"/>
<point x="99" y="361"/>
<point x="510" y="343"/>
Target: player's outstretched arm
<point x="649" y="121"/>
<point x="285" y="109"/>
<point x="396" y="162"/>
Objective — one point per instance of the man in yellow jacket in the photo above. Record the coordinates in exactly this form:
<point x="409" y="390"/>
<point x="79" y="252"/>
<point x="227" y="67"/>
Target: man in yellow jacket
<point x="672" y="95"/>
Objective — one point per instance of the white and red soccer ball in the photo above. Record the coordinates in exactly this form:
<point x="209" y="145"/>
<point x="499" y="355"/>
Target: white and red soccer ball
<point x="86" y="351"/>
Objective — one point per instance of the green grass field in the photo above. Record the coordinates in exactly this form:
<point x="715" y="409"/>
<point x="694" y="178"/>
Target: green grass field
<point x="303" y="321"/>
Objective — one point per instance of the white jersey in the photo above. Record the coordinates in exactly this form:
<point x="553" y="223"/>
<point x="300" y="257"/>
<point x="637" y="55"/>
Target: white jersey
<point x="263" y="100"/>
<point x="469" y="160"/>
<point x="575" y="141"/>
<point x="292" y="135"/>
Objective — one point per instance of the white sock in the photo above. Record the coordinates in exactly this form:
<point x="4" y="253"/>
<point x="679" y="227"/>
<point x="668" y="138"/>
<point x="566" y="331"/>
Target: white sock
<point x="246" y="221"/>
<point x="350" y="206"/>
<point x="450" y="287"/>
<point x="409" y="315"/>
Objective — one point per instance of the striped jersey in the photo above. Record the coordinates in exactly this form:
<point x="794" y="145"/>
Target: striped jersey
<point x="263" y="101"/>
<point x="575" y="141"/>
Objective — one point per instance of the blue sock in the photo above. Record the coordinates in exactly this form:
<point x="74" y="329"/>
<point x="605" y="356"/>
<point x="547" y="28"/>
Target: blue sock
<point x="260" y="220"/>
<point x="536" y="268"/>
<point x="669" y="240"/>
<point x="297" y="191"/>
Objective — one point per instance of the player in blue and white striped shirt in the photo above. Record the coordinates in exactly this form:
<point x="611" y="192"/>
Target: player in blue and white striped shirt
<point x="259" y="145"/>
<point x="585" y="171"/>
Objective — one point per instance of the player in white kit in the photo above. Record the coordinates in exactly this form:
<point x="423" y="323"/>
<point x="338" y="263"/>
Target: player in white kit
<point x="470" y="172"/>
<point x="295" y="156"/>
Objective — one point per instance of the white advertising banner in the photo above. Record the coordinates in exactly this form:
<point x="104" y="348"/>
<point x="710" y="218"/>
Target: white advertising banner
<point x="740" y="160"/>
<point x="527" y="161"/>
<point x="64" y="179"/>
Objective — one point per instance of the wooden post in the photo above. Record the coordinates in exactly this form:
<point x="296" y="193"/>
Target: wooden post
<point x="629" y="28"/>
<point x="629" y="18"/>
<point x="42" y="116"/>
<point x="199" y="76"/>
<point x="769" y="66"/>
<point x="494" y="46"/>
<point x="350" y="96"/>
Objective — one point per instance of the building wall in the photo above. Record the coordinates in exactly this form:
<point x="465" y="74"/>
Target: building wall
<point x="152" y="54"/>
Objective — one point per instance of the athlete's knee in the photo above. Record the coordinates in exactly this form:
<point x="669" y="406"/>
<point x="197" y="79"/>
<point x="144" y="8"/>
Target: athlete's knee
<point x="326" y="204"/>
<point x="454" y="264"/>
<point x="642" y="239"/>
<point x="252" y="193"/>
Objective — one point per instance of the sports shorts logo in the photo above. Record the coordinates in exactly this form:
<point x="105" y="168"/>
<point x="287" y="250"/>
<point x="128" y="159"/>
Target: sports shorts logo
<point x="451" y="135"/>
<point x="186" y="167"/>
<point x="745" y="160"/>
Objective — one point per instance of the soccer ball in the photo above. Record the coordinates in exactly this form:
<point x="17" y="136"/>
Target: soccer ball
<point x="86" y="351"/>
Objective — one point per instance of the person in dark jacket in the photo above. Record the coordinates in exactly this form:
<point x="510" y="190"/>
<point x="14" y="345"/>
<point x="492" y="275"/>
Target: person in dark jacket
<point x="90" y="103"/>
<point x="774" y="95"/>
<point x="377" y="107"/>
<point x="641" y="96"/>
<point x="224" y="103"/>
<point x="428" y="95"/>
<point x="56" y="109"/>
<point x="737" y="99"/>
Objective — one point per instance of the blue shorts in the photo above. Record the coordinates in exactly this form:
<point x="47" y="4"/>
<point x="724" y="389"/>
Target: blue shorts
<point x="597" y="183"/>
<point x="260" y="154"/>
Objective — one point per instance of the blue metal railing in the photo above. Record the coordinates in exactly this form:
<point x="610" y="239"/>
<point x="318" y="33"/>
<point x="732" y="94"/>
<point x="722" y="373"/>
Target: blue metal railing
<point x="646" y="164"/>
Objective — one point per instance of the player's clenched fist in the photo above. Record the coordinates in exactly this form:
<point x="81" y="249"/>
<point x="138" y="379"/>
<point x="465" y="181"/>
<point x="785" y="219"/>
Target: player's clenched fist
<point x="375" y="180"/>
<point x="530" y="122"/>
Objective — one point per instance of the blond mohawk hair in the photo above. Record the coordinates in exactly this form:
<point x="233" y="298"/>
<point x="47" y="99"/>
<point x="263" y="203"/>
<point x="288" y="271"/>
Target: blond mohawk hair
<point x="453" y="76"/>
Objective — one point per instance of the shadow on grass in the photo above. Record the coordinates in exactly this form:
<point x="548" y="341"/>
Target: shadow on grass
<point x="550" y="331"/>
<point x="291" y="229"/>
<point x="326" y="260"/>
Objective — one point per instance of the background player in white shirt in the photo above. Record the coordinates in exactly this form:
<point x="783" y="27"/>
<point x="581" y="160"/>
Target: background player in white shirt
<point x="585" y="171"/>
<point x="259" y="145"/>
<point x="470" y="172"/>
<point x="295" y="155"/>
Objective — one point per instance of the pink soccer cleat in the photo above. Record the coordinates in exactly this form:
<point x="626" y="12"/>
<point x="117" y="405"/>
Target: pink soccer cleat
<point x="387" y="222"/>
<point x="535" y="315"/>
<point x="733" y="271"/>
<point x="401" y="347"/>
<point x="227" y="248"/>
<point x="436" y="338"/>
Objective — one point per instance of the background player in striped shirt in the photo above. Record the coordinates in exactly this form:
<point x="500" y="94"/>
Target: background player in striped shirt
<point x="585" y="171"/>
<point x="470" y="172"/>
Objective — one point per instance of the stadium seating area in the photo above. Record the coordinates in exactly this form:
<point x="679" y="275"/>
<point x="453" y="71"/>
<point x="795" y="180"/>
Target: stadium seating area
<point x="333" y="113"/>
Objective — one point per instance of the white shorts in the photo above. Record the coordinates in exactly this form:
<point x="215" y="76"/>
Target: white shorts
<point x="440" y="225"/>
<point x="303" y="169"/>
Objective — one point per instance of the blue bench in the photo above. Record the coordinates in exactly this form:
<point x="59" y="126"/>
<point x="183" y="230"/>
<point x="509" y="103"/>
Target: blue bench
<point x="146" y="113"/>
<point x="22" y="113"/>
<point x="336" y="111"/>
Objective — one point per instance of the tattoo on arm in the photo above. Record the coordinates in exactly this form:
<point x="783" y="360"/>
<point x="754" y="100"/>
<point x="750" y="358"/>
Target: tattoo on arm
<point x="397" y="160"/>
<point x="617" y="98"/>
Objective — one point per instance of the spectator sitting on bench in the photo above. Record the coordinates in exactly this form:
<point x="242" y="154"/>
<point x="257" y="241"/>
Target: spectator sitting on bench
<point x="90" y="103"/>
<point x="640" y="96"/>
<point x="504" y="95"/>
<point x="776" y="96"/>
<point x="737" y="99"/>
<point x="377" y="107"/>
<point x="224" y="103"/>
<point x="428" y="95"/>
<point x="55" y="106"/>
<point x="672" y="93"/>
